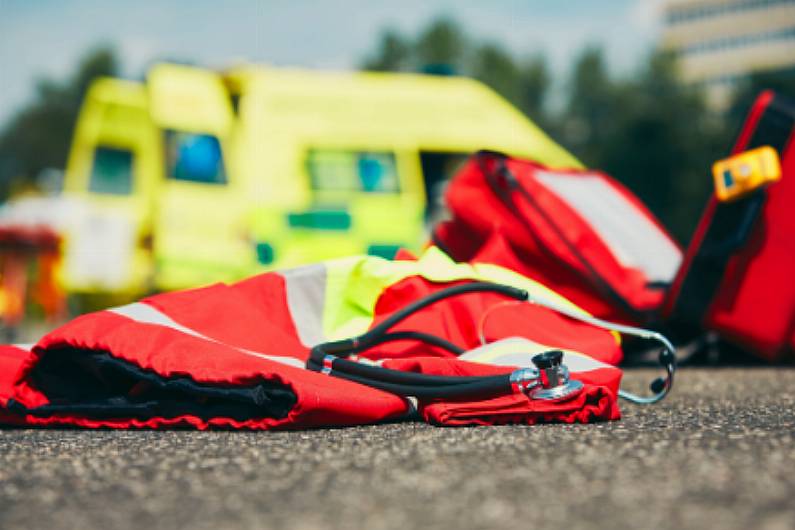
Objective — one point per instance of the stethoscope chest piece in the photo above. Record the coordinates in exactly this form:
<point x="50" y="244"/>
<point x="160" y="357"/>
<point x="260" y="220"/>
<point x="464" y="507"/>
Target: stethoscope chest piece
<point x="564" y="392"/>
<point x="549" y="380"/>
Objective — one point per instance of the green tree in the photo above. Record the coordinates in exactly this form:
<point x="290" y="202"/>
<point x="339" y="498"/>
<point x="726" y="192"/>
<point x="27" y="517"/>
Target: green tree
<point x="591" y="110"/>
<point x="441" y="46"/>
<point x="523" y="83"/>
<point x="496" y="67"/>
<point x="38" y="136"/>
<point x="393" y="54"/>
<point x="534" y="81"/>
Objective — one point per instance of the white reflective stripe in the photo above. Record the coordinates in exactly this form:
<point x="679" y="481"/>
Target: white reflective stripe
<point x="26" y="347"/>
<point x="519" y="351"/>
<point x="306" y="297"/>
<point x="146" y="314"/>
<point x="632" y="237"/>
<point x="579" y="362"/>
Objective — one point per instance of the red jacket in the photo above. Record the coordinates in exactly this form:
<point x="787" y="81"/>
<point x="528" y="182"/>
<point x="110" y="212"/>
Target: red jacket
<point x="233" y="355"/>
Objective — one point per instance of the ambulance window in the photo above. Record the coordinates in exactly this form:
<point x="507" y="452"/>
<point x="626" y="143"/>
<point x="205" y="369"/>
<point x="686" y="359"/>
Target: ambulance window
<point x="438" y="168"/>
<point x="194" y="158"/>
<point x="111" y="171"/>
<point x="352" y="171"/>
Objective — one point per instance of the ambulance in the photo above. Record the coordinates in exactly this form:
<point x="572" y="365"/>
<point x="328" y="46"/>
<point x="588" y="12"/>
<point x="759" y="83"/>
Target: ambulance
<point x="196" y="176"/>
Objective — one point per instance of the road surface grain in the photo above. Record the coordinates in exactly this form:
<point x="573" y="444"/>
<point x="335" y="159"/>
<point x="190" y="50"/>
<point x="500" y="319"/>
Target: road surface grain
<point x="718" y="454"/>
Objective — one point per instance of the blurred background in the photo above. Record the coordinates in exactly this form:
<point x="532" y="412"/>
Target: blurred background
<point x="651" y="92"/>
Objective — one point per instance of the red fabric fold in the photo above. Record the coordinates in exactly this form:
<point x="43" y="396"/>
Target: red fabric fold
<point x="594" y="403"/>
<point x="597" y="401"/>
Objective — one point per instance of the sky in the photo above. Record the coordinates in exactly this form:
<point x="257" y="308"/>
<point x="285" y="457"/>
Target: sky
<point x="46" y="38"/>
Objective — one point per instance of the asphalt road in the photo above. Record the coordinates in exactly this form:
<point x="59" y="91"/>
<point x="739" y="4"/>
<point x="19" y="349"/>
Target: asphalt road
<point x="718" y="454"/>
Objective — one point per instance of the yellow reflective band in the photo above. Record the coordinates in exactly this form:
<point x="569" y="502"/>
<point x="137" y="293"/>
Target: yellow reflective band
<point x="355" y="284"/>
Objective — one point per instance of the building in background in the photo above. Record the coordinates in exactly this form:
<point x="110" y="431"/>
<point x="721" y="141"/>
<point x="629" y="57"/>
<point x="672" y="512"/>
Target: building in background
<point x="721" y="42"/>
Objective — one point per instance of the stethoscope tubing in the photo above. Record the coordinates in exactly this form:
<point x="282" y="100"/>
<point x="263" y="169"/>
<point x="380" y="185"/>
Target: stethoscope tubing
<point x="487" y="387"/>
<point x="329" y="358"/>
<point x="340" y="365"/>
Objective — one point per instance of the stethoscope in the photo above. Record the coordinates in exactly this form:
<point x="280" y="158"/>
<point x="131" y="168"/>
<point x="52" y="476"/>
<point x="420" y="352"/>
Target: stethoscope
<point x="548" y="379"/>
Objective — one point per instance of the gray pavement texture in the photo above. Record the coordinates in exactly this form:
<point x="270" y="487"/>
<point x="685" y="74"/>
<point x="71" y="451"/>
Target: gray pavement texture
<point x="718" y="453"/>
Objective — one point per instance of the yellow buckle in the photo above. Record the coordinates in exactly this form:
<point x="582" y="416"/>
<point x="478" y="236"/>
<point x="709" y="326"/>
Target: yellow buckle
<point x="739" y="175"/>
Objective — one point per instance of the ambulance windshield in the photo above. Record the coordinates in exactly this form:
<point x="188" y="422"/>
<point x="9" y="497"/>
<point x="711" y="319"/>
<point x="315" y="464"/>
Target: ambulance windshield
<point x="111" y="171"/>
<point x="333" y="170"/>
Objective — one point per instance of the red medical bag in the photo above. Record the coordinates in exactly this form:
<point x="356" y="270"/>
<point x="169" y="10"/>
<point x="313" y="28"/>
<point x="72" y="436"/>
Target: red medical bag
<point x="738" y="277"/>
<point x="578" y="231"/>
